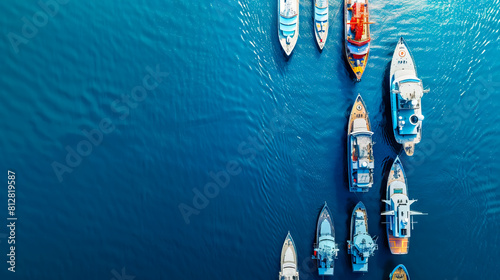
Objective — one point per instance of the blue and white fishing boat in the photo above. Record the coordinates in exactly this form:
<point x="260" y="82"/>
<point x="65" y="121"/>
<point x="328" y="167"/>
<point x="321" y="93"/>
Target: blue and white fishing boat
<point x="361" y="245"/>
<point x="399" y="273"/>
<point x="325" y="248"/>
<point x="406" y="91"/>
<point x="288" y="24"/>
<point x="321" y="21"/>
<point x="398" y="213"/>
<point x="360" y="159"/>
<point x="289" y="268"/>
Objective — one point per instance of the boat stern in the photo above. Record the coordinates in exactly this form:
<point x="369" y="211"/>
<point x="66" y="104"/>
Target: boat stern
<point x="409" y="148"/>
<point x="357" y="189"/>
<point x="398" y="246"/>
<point x="360" y="268"/>
<point x="325" y="271"/>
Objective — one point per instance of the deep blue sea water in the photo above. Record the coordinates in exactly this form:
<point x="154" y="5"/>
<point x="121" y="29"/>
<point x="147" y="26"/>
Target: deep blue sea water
<point x="221" y="97"/>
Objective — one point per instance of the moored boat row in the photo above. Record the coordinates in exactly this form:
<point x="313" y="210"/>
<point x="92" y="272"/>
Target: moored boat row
<point x="357" y="36"/>
<point x="360" y="246"/>
<point x="405" y="94"/>
<point x="406" y="89"/>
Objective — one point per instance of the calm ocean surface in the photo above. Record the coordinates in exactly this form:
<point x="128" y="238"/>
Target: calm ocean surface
<point x="215" y="95"/>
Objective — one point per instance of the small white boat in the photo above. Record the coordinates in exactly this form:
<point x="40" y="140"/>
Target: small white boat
<point x="288" y="24"/>
<point x="321" y="21"/>
<point x="289" y="268"/>
<point x="325" y="248"/>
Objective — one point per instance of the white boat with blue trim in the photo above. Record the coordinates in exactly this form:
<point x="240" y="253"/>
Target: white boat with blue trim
<point x="288" y="24"/>
<point x="321" y="22"/>
<point x="289" y="268"/>
<point x="361" y="245"/>
<point x="325" y="248"/>
<point x="406" y="91"/>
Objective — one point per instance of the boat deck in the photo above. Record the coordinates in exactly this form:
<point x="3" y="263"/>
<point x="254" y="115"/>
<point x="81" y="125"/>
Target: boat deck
<point x="399" y="274"/>
<point x="396" y="174"/>
<point x="356" y="50"/>
<point x="364" y="15"/>
<point x="360" y="148"/>
<point x="408" y="128"/>
<point x="409" y="148"/>
<point x="358" y="112"/>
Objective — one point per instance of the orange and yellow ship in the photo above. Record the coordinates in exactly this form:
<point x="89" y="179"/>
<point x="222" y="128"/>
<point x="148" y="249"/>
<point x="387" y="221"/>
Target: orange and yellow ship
<point x="399" y="217"/>
<point x="357" y="35"/>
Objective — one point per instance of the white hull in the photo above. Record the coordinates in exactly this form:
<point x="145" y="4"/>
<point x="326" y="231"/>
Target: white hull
<point x="403" y="65"/>
<point x="320" y="26"/>
<point x="288" y="42"/>
<point x="289" y="264"/>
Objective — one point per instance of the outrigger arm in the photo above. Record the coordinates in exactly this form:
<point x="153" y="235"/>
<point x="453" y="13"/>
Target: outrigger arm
<point x="388" y="213"/>
<point x="412" y="213"/>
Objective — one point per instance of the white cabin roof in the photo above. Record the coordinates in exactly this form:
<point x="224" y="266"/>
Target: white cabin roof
<point x="325" y="228"/>
<point x="410" y="86"/>
<point x="289" y="256"/>
<point x="359" y="125"/>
